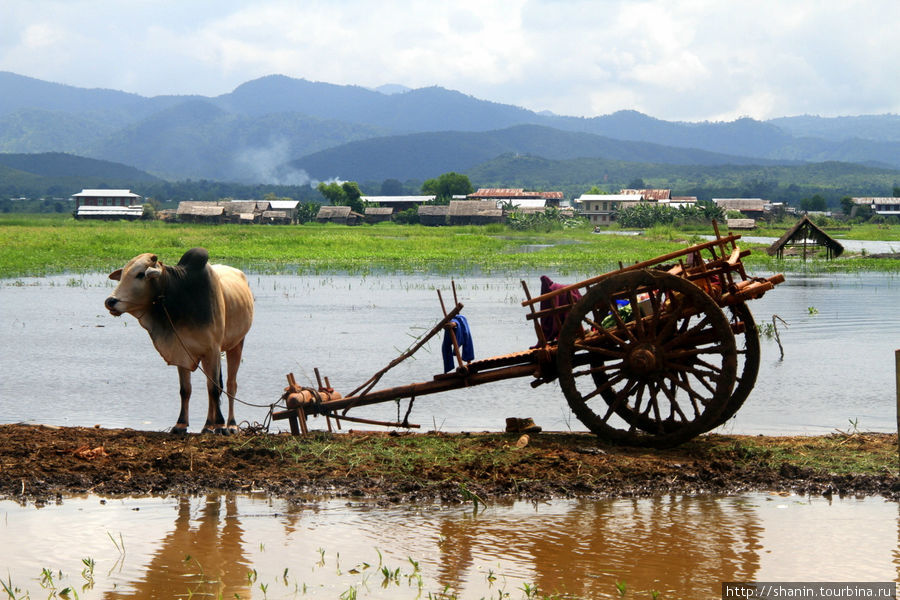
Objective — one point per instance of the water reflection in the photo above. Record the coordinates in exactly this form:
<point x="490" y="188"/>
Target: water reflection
<point x="203" y="553"/>
<point x="666" y="544"/>
<point x="222" y="546"/>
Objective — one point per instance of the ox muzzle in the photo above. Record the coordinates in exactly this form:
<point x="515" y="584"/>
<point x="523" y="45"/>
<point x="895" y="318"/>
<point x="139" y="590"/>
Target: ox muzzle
<point x="111" y="306"/>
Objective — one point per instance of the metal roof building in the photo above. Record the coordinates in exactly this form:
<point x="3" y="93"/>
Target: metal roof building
<point x="101" y="197"/>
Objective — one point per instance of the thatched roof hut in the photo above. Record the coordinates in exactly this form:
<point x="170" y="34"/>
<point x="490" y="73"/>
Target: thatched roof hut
<point x="474" y="212"/>
<point x="433" y="214"/>
<point x="378" y="214"/>
<point x="806" y="235"/>
<point x="342" y="215"/>
<point x="200" y="212"/>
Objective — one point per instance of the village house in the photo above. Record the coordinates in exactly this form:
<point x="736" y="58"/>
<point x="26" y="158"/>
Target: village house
<point x="107" y="204"/>
<point x="601" y="209"/>
<point x="245" y="212"/>
<point x="379" y="214"/>
<point x="106" y="198"/>
<point x="434" y="214"/>
<point x="885" y="206"/>
<point x="189" y="211"/>
<point x="517" y="197"/>
<point x="229" y="211"/>
<point x="751" y="208"/>
<point x="475" y="212"/>
<point x="288" y="208"/>
<point x="340" y="215"/>
<point x="398" y="203"/>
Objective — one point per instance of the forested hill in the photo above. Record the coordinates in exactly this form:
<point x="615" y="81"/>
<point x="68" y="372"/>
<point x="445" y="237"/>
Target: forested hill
<point x="250" y="134"/>
<point x="425" y="155"/>
<point x="62" y="165"/>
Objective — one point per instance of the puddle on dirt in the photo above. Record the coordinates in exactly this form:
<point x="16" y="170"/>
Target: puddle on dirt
<point x="245" y="546"/>
<point x="66" y="361"/>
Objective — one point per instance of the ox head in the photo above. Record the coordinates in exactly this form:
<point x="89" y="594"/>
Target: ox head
<point x="136" y="290"/>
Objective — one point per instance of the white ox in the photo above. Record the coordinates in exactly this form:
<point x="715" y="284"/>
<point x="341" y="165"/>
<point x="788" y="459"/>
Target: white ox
<point x="193" y="312"/>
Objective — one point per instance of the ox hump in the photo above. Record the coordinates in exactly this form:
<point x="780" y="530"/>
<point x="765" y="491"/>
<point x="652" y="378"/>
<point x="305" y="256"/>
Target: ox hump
<point x="194" y="259"/>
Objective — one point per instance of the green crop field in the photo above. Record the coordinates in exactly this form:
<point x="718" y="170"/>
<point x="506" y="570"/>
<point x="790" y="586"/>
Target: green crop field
<point x="34" y="245"/>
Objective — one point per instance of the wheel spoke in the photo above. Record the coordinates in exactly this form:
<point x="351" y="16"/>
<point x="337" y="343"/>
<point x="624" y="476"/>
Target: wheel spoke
<point x="636" y="315"/>
<point x="602" y="388"/>
<point x="689" y="391"/>
<point x="620" y="397"/>
<point x="599" y="350"/>
<point x="694" y="331"/>
<point x="694" y="352"/>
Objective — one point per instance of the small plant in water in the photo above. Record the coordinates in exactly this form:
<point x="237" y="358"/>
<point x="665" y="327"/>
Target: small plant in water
<point x="88" y="573"/>
<point x="12" y="592"/>
<point x="812" y="310"/>
<point x="47" y="579"/>
<point x="622" y="588"/>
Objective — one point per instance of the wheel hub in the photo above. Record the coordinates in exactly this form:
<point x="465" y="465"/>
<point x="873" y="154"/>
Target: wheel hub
<point x="643" y="359"/>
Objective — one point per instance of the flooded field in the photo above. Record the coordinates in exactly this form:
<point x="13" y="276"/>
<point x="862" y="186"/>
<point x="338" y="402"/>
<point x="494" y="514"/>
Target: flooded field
<point x="254" y="547"/>
<point x="66" y="361"/>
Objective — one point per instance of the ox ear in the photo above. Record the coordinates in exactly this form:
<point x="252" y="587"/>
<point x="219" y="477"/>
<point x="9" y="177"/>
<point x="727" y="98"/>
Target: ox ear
<point x="153" y="259"/>
<point x="116" y="275"/>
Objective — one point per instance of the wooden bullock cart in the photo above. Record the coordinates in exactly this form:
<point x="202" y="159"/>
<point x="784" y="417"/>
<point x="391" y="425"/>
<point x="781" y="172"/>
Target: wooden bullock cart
<point x="652" y="354"/>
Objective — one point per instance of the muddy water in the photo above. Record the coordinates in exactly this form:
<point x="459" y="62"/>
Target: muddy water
<point x="682" y="547"/>
<point x="66" y="361"/>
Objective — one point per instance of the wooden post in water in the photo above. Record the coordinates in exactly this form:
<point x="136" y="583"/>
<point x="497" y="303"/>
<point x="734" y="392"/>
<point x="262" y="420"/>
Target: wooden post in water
<point x="897" y="373"/>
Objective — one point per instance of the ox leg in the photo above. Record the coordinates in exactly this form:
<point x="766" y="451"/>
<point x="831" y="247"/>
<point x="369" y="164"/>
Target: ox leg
<point x="215" y="422"/>
<point x="184" y="390"/>
<point x="234" y="363"/>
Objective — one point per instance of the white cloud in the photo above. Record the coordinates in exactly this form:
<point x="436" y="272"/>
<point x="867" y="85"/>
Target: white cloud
<point x="691" y="60"/>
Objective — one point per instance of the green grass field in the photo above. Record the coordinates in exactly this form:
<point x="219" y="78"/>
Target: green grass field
<point x="35" y="245"/>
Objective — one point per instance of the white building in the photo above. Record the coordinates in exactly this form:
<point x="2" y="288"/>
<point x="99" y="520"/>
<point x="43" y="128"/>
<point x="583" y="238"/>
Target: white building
<point x="600" y="209"/>
<point x="882" y="206"/>
<point x="106" y="198"/>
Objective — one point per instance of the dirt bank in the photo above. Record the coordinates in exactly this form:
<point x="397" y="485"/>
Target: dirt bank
<point x="40" y="463"/>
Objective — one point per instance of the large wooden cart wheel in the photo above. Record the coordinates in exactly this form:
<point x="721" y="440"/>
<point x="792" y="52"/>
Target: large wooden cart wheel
<point x="647" y="348"/>
<point x="747" y="344"/>
<point x="748" y="351"/>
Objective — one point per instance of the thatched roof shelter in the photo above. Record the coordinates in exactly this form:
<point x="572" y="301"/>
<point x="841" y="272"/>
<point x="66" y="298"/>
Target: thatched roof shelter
<point x="378" y="214"/>
<point x="474" y="212"/>
<point x="342" y="215"/>
<point x="806" y="235"/>
<point x="196" y="211"/>
<point x="433" y="214"/>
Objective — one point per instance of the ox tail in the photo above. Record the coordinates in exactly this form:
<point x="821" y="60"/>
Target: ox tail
<point x="221" y="386"/>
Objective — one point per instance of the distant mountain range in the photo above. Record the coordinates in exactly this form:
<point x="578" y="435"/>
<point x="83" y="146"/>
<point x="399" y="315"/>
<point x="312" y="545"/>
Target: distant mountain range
<point x="282" y="130"/>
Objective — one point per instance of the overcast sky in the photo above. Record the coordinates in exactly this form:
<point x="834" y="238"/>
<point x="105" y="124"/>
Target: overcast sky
<point x="686" y="60"/>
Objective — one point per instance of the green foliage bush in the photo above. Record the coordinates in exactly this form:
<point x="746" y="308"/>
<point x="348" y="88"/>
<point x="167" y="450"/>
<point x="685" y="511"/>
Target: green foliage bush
<point x="648" y="214"/>
<point x="552" y="219"/>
